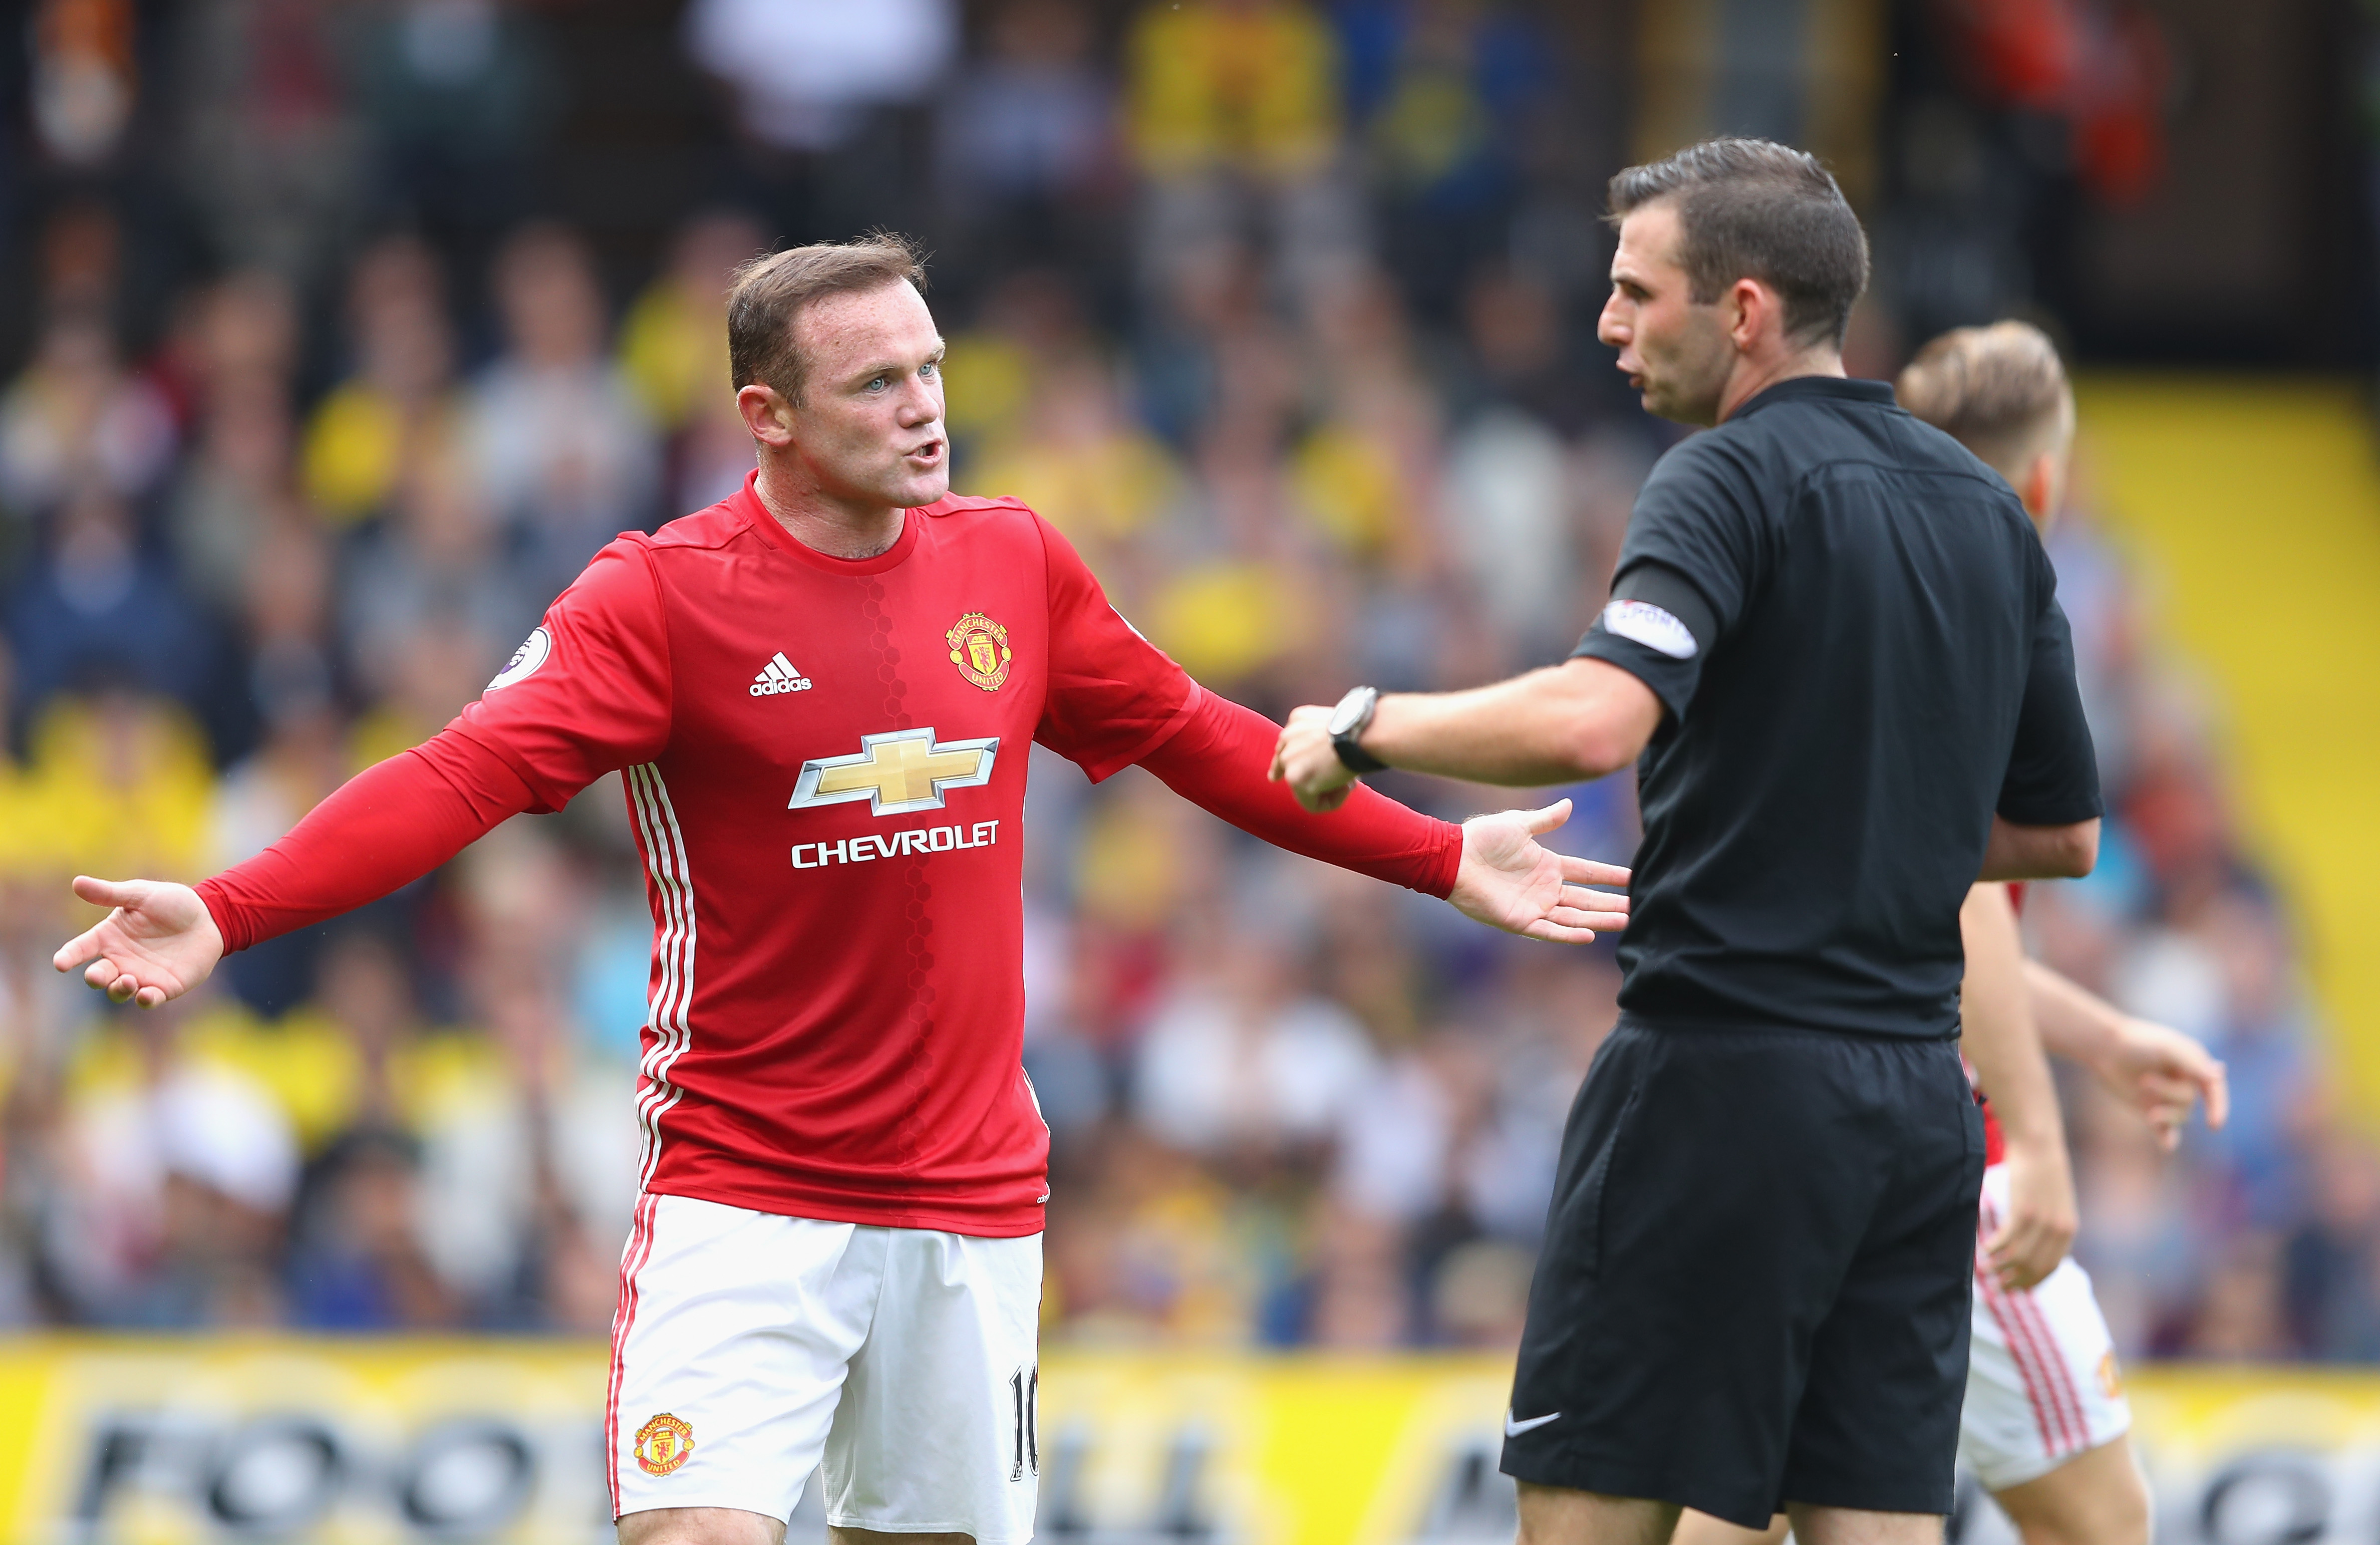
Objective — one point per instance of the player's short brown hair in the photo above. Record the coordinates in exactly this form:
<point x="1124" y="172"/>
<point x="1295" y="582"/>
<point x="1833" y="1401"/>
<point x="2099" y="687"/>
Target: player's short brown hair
<point x="2000" y="391"/>
<point x="768" y="294"/>
<point x="1753" y="209"/>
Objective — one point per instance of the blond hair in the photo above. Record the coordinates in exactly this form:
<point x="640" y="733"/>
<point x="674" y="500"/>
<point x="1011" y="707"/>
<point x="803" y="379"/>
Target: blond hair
<point x="2000" y="391"/>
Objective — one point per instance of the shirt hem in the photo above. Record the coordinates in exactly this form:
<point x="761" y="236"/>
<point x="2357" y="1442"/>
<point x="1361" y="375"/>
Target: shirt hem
<point x="1006" y="1224"/>
<point x="1705" y="1025"/>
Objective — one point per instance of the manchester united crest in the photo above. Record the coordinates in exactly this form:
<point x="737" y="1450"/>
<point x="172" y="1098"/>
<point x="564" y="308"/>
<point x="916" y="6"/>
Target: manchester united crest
<point x="662" y="1444"/>
<point x="979" y="649"/>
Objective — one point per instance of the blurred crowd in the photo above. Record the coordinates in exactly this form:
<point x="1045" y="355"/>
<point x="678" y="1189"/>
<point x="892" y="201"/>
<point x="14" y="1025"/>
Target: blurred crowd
<point x="1282" y="311"/>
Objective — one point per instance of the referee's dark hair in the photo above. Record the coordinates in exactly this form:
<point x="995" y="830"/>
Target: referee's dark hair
<point x="768" y="294"/>
<point x="1756" y="208"/>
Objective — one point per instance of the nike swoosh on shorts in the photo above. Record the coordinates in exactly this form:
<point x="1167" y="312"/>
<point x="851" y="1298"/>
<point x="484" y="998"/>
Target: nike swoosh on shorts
<point x="1514" y="1429"/>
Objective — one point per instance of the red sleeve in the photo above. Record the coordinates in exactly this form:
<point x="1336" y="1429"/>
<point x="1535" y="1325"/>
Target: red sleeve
<point x="588" y="692"/>
<point x="1217" y="761"/>
<point x="389" y="824"/>
<point x="1114" y="697"/>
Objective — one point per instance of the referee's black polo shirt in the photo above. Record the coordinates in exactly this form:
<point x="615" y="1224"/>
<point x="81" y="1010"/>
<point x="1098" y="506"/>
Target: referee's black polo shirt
<point x="1855" y="633"/>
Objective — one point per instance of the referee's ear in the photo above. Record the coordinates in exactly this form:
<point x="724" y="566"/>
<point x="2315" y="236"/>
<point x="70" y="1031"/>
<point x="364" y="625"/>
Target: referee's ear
<point x="1755" y="313"/>
<point x="767" y="414"/>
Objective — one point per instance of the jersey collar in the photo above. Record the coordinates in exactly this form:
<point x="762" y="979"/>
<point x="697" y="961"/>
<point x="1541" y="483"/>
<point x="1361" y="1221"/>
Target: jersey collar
<point x="1840" y="389"/>
<point x="746" y="503"/>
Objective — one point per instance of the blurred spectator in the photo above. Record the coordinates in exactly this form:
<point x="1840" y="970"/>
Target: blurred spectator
<point x="174" y="1176"/>
<point x="805" y="70"/>
<point x="674" y="350"/>
<point x="2241" y="1314"/>
<point x="267" y="138"/>
<point x="399" y="406"/>
<point x="436" y="565"/>
<point x="85" y="79"/>
<point x="2226" y="980"/>
<point x="564" y="453"/>
<point x="357" y="1263"/>
<point x="457" y="96"/>
<point x="1235" y="117"/>
<point x="98" y="608"/>
<point x="236" y="490"/>
<point x="1079" y="460"/>
<point x="673" y="342"/>
<point x="1029" y="133"/>
<point x="75" y="418"/>
<point x="1443" y="95"/>
<point x="124" y="783"/>
<point x="81" y="259"/>
<point x="2331" y="1264"/>
<point x="1519" y="354"/>
<point x="1242" y="1059"/>
<point x="1245" y="86"/>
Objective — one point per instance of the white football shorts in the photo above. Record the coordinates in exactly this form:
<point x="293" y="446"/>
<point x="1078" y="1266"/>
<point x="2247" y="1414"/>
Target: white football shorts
<point x="2042" y="1381"/>
<point x="749" y="1349"/>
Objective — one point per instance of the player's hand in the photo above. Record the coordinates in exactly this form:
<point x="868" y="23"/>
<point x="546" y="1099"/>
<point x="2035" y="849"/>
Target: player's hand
<point x="2161" y="1073"/>
<point x="156" y="945"/>
<point x="2042" y="1214"/>
<point x="1305" y="759"/>
<point x="1506" y="879"/>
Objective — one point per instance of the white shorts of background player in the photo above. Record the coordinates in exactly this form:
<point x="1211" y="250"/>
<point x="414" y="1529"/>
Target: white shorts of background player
<point x="902" y="1363"/>
<point x="2042" y="1379"/>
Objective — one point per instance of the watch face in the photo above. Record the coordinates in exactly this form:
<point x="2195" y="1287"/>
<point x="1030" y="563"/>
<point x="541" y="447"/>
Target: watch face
<point x="1350" y="709"/>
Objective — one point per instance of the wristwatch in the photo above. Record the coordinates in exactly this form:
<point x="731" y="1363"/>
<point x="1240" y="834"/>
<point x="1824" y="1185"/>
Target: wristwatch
<point x="1348" y="722"/>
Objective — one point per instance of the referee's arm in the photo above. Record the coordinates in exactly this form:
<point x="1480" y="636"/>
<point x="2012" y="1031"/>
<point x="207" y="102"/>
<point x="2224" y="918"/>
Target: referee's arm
<point x="1581" y="719"/>
<point x="2018" y="852"/>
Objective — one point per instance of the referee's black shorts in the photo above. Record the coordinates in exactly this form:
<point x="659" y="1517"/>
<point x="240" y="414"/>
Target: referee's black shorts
<point x="1755" y="1277"/>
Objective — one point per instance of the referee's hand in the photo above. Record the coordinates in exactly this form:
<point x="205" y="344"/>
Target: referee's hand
<point x="1305" y="759"/>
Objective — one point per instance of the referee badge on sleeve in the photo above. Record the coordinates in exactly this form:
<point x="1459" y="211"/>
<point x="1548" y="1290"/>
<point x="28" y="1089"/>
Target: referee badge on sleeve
<point x="1651" y="626"/>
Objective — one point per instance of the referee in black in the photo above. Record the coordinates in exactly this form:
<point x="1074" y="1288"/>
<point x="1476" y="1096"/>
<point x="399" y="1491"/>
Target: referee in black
<point x="1835" y="655"/>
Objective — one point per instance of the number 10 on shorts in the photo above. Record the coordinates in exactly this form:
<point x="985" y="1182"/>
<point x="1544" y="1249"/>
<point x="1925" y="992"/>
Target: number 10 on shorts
<point x="1025" y="1386"/>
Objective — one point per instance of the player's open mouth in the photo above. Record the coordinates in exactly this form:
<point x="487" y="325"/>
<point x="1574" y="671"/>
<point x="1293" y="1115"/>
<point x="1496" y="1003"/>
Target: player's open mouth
<point x="927" y="454"/>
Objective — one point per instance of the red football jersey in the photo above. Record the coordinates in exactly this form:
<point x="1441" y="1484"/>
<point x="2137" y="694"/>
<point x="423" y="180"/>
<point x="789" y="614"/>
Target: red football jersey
<point x="825" y="768"/>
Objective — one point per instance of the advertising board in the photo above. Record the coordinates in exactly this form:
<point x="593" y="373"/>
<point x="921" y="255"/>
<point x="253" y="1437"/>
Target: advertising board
<point x="155" y="1442"/>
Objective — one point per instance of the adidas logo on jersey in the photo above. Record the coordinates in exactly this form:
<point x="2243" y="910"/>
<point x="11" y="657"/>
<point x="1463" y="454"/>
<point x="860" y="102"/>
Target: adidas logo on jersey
<point x="779" y="675"/>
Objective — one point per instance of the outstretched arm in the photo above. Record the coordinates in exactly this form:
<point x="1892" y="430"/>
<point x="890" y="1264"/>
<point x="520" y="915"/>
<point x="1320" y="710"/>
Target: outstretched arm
<point x="388" y="825"/>
<point x="1491" y="868"/>
<point x="2157" y="1071"/>
<point x="1581" y="719"/>
<point x="1998" y="1036"/>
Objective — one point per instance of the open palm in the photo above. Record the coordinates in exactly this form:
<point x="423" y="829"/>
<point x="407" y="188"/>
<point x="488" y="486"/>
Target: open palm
<point x="1509" y="881"/>
<point x="157" y="944"/>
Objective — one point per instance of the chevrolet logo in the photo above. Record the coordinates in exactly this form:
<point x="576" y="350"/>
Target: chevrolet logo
<point x="897" y="772"/>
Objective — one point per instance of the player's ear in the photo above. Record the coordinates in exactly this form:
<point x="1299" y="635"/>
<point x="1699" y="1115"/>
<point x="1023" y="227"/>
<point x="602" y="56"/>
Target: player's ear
<point x="766" y="414"/>
<point x="2039" y="490"/>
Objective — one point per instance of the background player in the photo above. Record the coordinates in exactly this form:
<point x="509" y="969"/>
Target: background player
<point x="2045" y="1422"/>
<point x="822" y="690"/>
